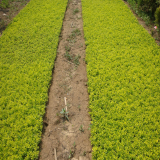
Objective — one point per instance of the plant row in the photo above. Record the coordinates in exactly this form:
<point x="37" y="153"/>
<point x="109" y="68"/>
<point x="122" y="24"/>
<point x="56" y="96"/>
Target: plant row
<point x="27" y="53"/>
<point x="147" y="10"/>
<point x="123" y="69"/>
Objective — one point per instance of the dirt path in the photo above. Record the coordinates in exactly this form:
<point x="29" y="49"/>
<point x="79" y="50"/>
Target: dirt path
<point x="69" y="137"/>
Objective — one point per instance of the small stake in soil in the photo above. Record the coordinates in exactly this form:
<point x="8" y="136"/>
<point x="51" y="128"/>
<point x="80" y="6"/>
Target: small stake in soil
<point x="55" y="154"/>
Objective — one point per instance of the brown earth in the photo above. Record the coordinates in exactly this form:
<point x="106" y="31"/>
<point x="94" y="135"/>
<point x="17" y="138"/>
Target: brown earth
<point x="70" y="137"/>
<point x="7" y="14"/>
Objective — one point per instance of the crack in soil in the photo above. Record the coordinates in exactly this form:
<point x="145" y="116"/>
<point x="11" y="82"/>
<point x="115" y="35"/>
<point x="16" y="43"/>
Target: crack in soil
<point x="69" y="137"/>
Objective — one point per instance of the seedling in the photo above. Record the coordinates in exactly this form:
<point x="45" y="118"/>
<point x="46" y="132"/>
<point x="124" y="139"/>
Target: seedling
<point x="2" y="23"/>
<point x="152" y="32"/>
<point x="79" y="107"/>
<point x="70" y="154"/>
<point x="84" y="153"/>
<point x="90" y="126"/>
<point x="81" y="128"/>
<point x="72" y="36"/>
<point x="68" y="56"/>
<point x="81" y="45"/>
<point x="77" y="32"/>
<point x="71" y="40"/>
<point x="64" y="113"/>
<point x="75" y="11"/>
<point x="76" y="60"/>
<point x="67" y="48"/>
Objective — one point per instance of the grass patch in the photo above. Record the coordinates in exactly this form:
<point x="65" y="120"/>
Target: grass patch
<point x="123" y="68"/>
<point x="27" y="53"/>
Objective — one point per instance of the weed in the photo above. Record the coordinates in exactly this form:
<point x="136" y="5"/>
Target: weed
<point x="81" y="45"/>
<point x="72" y="36"/>
<point x="71" y="40"/>
<point x="70" y="75"/>
<point x="81" y="128"/>
<point x="77" y="32"/>
<point x="4" y="3"/>
<point x="71" y="153"/>
<point x="79" y="107"/>
<point x="68" y="56"/>
<point x="156" y="38"/>
<point x="75" y="11"/>
<point x="2" y="23"/>
<point x="76" y="60"/>
<point x="64" y="113"/>
<point x="67" y="48"/>
<point x="84" y="153"/>
<point x="90" y="126"/>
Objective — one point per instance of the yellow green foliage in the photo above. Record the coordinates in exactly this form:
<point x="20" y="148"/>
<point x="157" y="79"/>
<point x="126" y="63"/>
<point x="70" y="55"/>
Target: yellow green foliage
<point x="123" y="68"/>
<point x="27" y="53"/>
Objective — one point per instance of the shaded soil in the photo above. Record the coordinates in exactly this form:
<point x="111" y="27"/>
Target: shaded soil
<point x="70" y="137"/>
<point x="7" y="14"/>
<point x="153" y="32"/>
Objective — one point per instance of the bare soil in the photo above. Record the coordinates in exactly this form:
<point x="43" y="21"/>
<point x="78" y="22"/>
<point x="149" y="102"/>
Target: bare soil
<point x="70" y="137"/>
<point x="7" y="14"/>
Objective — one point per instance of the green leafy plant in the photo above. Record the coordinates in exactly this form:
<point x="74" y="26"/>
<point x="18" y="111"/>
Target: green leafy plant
<point x="68" y="56"/>
<point x="81" y="128"/>
<point x="76" y="60"/>
<point x="2" y="24"/>
<point x="84" y="153"/>
<point x="64" y="113"/>
<point x="75" y="11"/>
<point x="27" y="54"/>
<point x="123" y="82"/>
<point x="67" y="48"/>
<point x="71" y="153"/>
<point x="74" y="144"/>
<point x="73" y="35"/>
<point x="76" y="32"/>
<point x="79" y="107"/>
